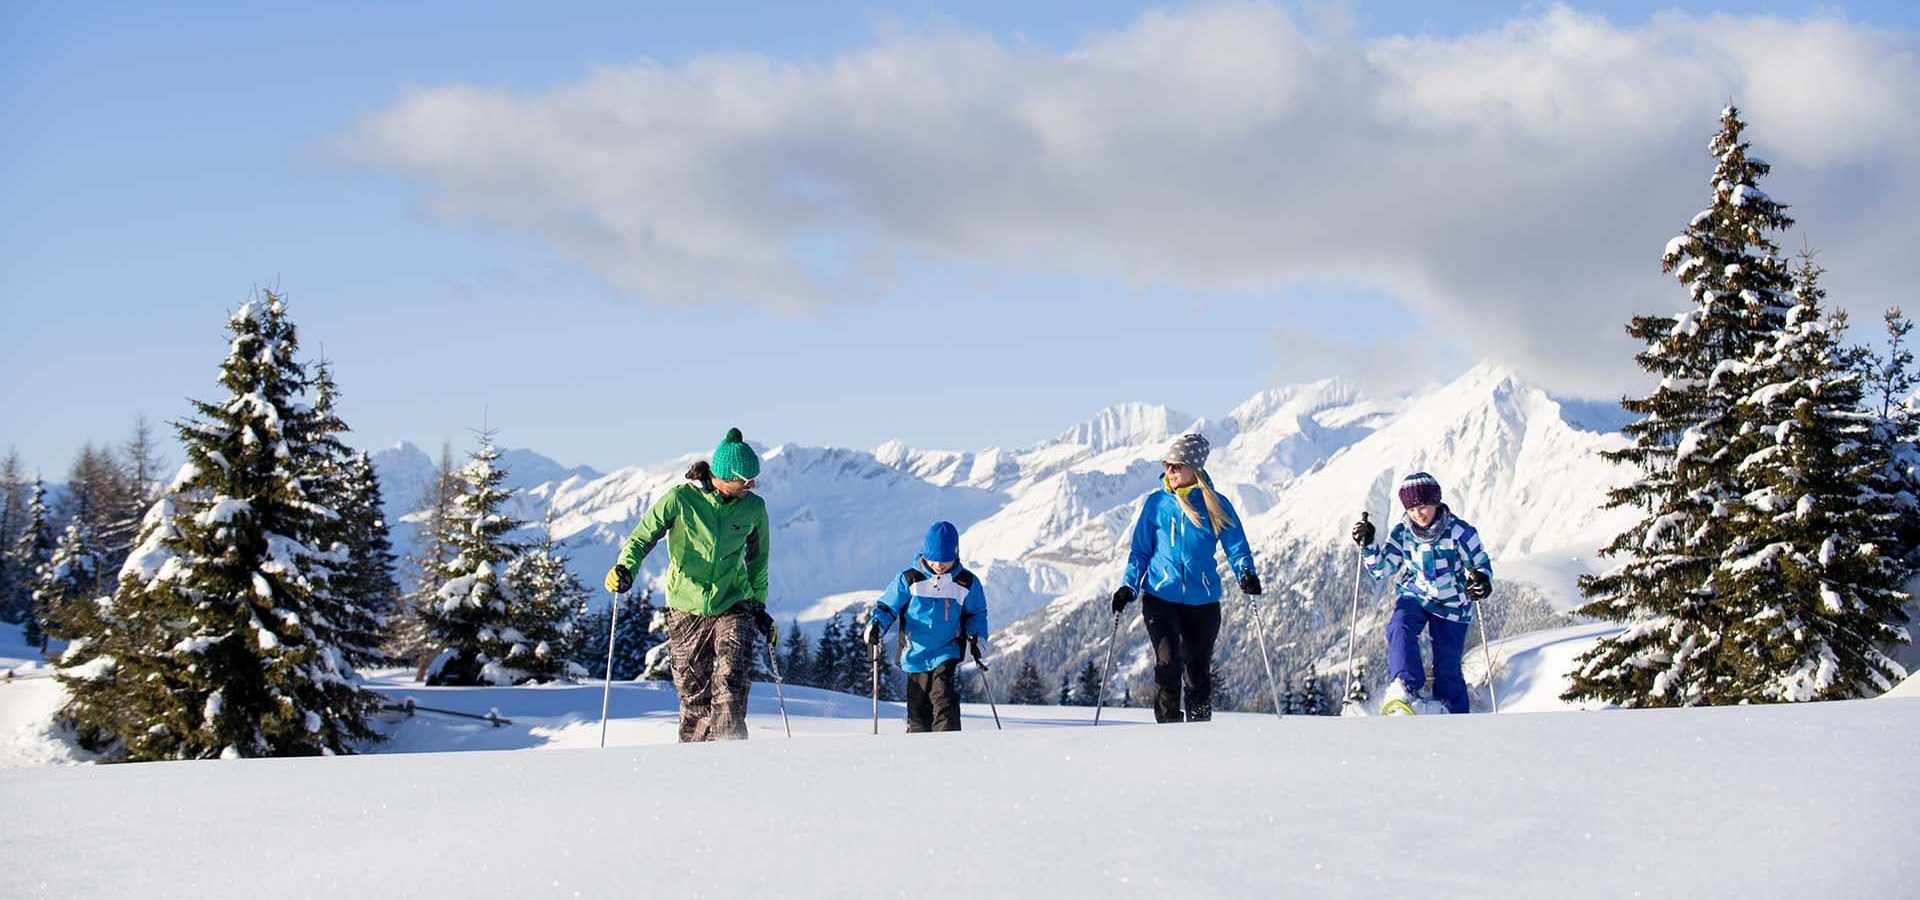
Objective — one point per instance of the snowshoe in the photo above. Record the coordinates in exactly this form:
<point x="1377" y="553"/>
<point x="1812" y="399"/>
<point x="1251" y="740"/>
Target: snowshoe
<point x="1396" y="706"/>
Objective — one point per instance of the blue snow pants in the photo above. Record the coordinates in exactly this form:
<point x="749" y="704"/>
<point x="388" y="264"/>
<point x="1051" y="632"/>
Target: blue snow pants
<point x="1403" y="652"/>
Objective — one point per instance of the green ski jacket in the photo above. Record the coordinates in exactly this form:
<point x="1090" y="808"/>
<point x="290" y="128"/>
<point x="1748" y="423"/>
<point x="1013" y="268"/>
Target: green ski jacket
<point x="717" y="548"/>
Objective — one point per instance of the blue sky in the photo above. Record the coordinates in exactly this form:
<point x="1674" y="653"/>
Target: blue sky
<point x="419" y="180"/>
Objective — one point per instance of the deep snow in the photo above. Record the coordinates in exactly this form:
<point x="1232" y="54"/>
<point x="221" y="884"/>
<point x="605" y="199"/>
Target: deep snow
<point x="1772" y="801"/>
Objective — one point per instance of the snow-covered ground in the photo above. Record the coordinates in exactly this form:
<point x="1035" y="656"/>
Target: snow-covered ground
<point x="1756" y="801"/>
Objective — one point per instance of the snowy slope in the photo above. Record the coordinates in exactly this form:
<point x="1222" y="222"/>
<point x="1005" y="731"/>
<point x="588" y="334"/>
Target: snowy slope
<point x="1708" y="802"/>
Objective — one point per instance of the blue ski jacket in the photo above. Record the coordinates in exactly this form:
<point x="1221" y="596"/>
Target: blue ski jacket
<point x="936" y="613"/>
<point x="1432" y="572"/>
<point x="1173" y="559"/>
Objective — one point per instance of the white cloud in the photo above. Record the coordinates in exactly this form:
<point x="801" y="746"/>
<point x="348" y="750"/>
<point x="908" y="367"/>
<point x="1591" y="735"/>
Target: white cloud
<point x="1514" y="185"/>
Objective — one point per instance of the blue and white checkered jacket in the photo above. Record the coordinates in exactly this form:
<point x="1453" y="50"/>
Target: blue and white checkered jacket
<point x="1432" y="572"/>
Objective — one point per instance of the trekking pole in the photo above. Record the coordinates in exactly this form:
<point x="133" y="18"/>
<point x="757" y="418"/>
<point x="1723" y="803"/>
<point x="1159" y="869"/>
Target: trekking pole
<point x="778" y="691"/>
<point x="1106" y="672"/>
<point x="606" y="689"/>
<point x="873" y="654"/>
<point x="1273" y="688"/>
<point x="1353" y="617"/>
<point x="987" y="683"/>
<point x="1489" y="651"/>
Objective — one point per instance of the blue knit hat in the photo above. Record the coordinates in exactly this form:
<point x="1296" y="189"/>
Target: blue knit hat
<point x="942" y="544"/>
<point x="733" y="460"/>
<point x="1419" y="489"/>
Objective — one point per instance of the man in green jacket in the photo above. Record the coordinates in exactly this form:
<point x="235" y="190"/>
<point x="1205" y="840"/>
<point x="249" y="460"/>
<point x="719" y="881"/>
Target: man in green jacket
<point x="716" y="531"/>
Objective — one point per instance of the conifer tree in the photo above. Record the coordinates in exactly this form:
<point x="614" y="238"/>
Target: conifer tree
<point x="1668" y="586"/>
<point x="31" y="552"/>
<point x="471" y="617"/>
<point x="408" y="636"/>
<point x="546" y="593"/>
<point x="829" y="660"/>
<point x="213" y="645"/>
<point x="358" y="593"/>
<point x="1065" y="697"/>
<point x="631" y="645"/>
<point x="1313" y="702"/>
<point x="1890" y="383"/>
<point x="796" y="666"/>
<point x="1086" y="687"/>
<point x="367" y="577"/>
<point x="15" y="583"/>
<point x="1813" y="548"/>
<point x="65" y="588"/>
<point x="1028" y="689"/>
<point x="1289" y="699"/>
<point x="1221" y="699"/>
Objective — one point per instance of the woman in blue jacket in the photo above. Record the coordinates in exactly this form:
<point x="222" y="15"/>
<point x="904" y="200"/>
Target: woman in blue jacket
<point x="1172" y="560"/>
<point x="942" y="613"/>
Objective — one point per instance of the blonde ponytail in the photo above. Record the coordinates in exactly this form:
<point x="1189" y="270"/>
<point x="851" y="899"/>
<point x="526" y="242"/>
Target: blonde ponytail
<point x="1215" y="508"/>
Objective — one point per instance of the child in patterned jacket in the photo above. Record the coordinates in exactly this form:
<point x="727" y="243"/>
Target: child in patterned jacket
<point x="942" y="612"/>
<point x="1443" y="569"/>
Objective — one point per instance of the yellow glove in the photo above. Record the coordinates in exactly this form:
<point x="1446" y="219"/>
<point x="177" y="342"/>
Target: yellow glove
<point x="619" y="580"/>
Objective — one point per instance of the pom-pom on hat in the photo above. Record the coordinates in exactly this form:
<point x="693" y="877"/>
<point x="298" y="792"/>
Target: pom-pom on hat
<point x="1189" y="450"/>
<point x="1419" y="489"/>
<point x="942" y="544"/>
<point x="733" y="460"/>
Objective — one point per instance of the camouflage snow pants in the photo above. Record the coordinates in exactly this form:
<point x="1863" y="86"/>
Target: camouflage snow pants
<point x="712" y="671"/>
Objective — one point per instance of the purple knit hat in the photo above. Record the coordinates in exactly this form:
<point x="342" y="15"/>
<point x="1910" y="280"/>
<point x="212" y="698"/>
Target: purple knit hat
<point x="1419" y="489"/>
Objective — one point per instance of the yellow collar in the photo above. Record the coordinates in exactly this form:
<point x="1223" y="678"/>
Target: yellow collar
<point x="1178" y="492"/>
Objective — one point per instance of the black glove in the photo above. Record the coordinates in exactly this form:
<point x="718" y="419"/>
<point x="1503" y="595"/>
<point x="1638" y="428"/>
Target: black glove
<point x="1250" y="584"/>
<point x="1121" y="598"/>
<point x="873" y="632"/>
<point x="764" y="622"/>
<point x="973" y="646"/>
<point x="619" y="580"/>
<point x="1478" y="584"/>
<point x="1363" y="533"/>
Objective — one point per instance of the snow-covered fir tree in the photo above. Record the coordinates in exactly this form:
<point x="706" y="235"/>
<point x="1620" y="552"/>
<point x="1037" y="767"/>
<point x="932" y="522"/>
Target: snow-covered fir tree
<point x="1289" y="698"/>
<point x="1890" y="383"/>
<point x="368" y="576"/>
<point x="1027" y="688"/>
<point x="66" y="587"/>
<point x="212" y="643"/>
<point x="1814" y="542"/>
<point x="1313" y="698"/>
<point x="1065" y="697"/>
<point x="16" y="589"/>
<point x="31" y="553"/>
<point x="408" y="636"/>
<point x="359" y="592"/>
<point x="1669" y="586"/>
<point x="473" y="612"/>
<point x="546" y="593"/>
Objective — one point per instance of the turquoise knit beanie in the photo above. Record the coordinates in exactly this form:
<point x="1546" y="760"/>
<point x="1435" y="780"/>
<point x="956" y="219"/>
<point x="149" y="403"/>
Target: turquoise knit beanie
<point x="733" y="460"/>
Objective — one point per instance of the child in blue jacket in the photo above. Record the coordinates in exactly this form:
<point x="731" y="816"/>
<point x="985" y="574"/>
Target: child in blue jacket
<point x="1443" y="569"/>
<point x="942" y="613"/>
<point x="1180" y="528"/>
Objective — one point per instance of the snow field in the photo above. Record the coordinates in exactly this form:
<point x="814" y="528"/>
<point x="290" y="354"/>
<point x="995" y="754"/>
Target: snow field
<point x="1760" y="801"/>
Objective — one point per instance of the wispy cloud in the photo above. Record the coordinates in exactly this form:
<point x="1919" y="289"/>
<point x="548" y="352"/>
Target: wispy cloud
<point x="1514" y="186"/>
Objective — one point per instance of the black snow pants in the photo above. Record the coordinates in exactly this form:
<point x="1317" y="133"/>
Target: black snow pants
<point x="1183" y="639"/>
<point x="933" y="699"/>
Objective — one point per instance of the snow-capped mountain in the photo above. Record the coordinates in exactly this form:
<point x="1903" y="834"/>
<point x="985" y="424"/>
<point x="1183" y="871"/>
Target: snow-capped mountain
<point x="1045" y="526"/>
